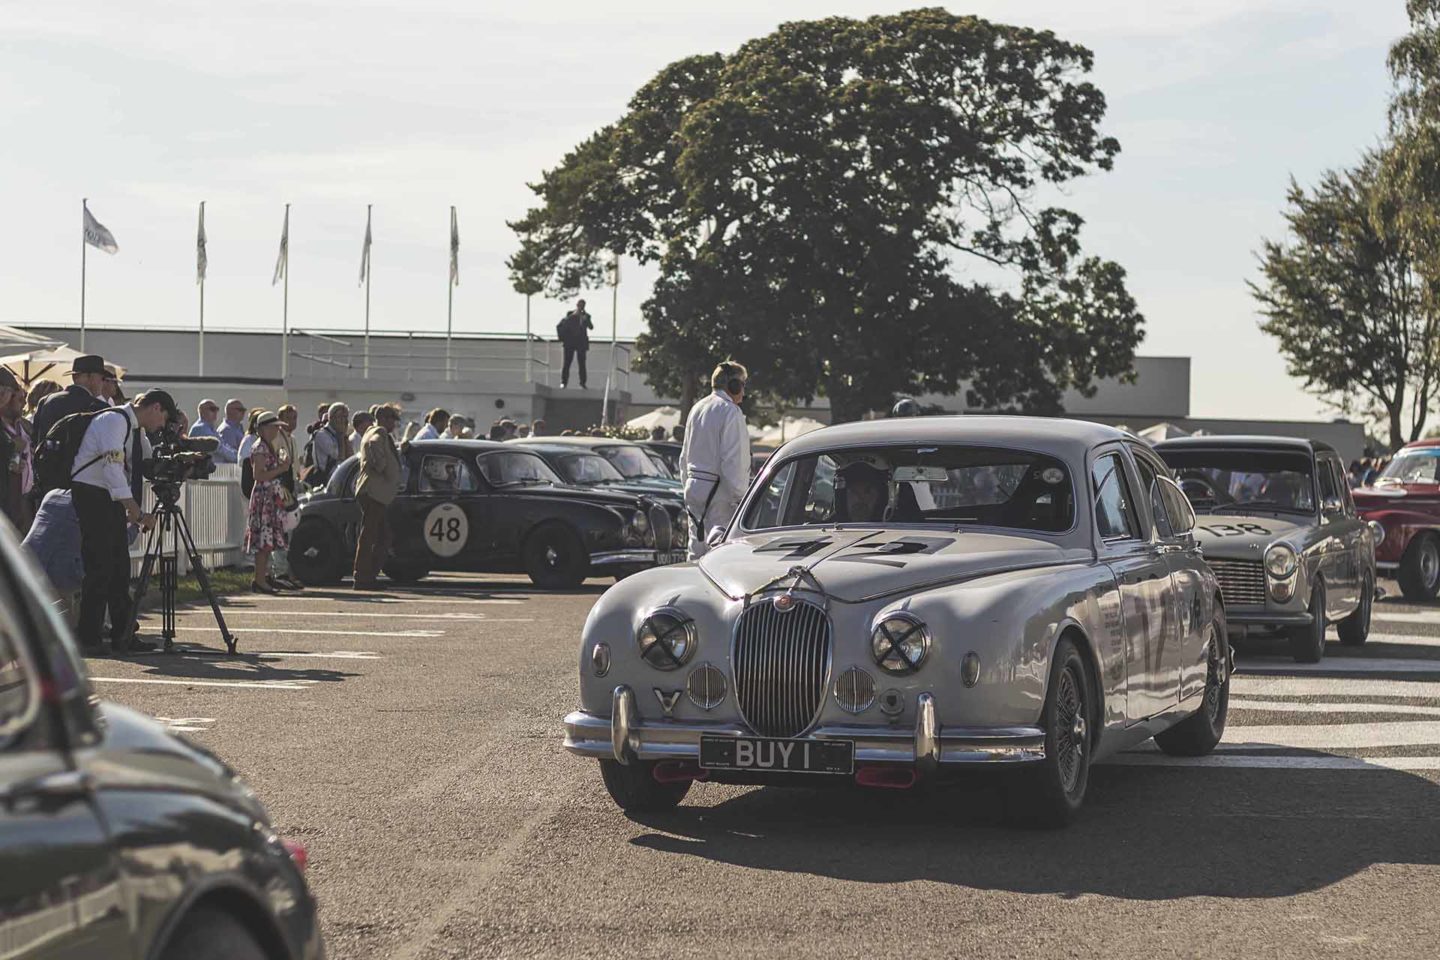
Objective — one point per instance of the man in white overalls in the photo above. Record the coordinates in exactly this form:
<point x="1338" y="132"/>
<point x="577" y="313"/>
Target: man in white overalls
<point x="715" y="460"/>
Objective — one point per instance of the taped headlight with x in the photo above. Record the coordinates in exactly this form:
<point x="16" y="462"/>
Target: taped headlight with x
<point x="900" y="643"/>
<point x="667" y="639"/>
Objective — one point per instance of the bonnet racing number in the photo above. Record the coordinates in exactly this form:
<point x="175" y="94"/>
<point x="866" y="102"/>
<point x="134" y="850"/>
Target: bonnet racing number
<point x="446" y="530"/>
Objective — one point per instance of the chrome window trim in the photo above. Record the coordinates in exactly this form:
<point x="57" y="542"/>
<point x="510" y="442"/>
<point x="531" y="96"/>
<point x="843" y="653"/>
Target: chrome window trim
<point x="30" y="679"/>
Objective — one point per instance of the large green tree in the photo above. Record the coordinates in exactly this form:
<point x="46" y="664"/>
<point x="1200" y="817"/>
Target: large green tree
<point x="1345" y="301"/>
<point x="812" y="199"/>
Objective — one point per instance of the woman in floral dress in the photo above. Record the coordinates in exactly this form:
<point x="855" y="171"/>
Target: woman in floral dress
<point x="266" y="530"/>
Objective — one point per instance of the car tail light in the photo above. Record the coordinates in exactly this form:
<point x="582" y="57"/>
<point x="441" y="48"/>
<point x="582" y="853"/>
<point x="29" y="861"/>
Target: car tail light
<point x="298" y="853"/>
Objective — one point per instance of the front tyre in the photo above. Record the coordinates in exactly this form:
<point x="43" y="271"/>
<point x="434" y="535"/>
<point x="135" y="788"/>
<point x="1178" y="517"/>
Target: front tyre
<point x="1355" y="628"/>
<point x="1307" y="643"/>
<point x="555" y="558"/>
<point x="1419" y="573"/>
<point x="634" y="788"/>
<point x="405" y="573"/>
<point x="1199" y="733"/>
<point x="1049" y="793"/>
<point x="316" y="555"/>
<point x="208" y="933"/>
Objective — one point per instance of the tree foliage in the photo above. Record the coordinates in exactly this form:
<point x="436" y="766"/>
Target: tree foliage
<point x="810" y="198"/>
<point x="1346" y="303"/>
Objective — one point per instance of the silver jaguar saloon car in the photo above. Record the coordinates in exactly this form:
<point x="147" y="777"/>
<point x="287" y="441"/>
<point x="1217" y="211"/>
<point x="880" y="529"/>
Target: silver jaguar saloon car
<point x="898" y="599"/>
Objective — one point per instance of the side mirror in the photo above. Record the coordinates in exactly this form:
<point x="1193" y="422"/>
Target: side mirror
<point x="1332" y="505"/>
<point x="715" y="537"/>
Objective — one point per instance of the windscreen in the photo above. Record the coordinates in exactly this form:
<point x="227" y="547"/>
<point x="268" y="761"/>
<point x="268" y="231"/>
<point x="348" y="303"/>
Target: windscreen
<point x="630" y="461"/>
<point x="587" y="469"/>
<point x="1233" y="479"/>
<point x="1412" y="466"/>
<point x="949" y="484"/>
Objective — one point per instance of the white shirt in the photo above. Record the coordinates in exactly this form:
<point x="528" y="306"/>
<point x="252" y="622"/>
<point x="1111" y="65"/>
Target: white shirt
<point x="715" y="458"/>
<point x="247" y="447"/>
<point x="107" y="442"/>
<point x="356" y="438"/>
<point x="326" y="449"/>
<point x="428" y="432"/>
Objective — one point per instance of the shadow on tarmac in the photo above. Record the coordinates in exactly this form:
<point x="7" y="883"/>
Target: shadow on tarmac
<point x="1146" y="834"/>
<point x="192" y="662"/>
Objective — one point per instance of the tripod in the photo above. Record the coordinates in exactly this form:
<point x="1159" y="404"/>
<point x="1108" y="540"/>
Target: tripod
<point x="171" y="530"/>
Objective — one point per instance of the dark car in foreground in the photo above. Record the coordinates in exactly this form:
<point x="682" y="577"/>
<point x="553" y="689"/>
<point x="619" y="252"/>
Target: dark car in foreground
<point x="1280" y="530"/>
<point x="119" y="839"/>
<point x="482" y="506"/>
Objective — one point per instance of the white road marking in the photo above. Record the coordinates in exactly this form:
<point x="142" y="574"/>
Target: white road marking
<point x="1332" y="686"/>
<point x="1410" y="638"/>
<point x="202" y="653"/>
<point x="368" y="600"/>
<point x="1286" y="706"/>
<point x="1398" y="616"/>
<point x="1331" y="736"/>
<point x="233" y="684"/>
<point x="1379" y="764"/>
<point x="1335" y="665"/>
<point x="469" y="617"/>
<point x="422" y="634"/>
<point x="187" y="724"/>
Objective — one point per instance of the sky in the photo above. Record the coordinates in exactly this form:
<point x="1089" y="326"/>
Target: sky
<point x="148" y="107"/>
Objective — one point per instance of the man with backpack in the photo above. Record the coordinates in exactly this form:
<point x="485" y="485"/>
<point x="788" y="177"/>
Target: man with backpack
<point x="574" y="334"/>
<point x="98" y="469"/>
<point x="88" y="374"/>
<point x="329" y="446"/>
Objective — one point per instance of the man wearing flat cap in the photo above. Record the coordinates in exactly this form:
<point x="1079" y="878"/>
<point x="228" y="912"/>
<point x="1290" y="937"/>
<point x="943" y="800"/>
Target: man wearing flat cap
<point x="107" y="460"/>
<point x="88" y="374"/>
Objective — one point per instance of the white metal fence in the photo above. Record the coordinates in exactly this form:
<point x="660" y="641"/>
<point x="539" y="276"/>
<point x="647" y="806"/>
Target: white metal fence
<point x="215" y="510"/>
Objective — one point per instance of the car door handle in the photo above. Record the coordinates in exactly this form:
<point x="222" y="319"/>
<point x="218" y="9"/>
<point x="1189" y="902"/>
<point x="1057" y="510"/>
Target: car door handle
<point x="51" y="786"/>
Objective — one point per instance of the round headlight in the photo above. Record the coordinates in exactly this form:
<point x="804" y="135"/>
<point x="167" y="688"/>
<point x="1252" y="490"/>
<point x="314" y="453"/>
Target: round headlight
<point x="899" y="643"/>
<point x="667" y="639"/>
<point x="1280" y="560"/>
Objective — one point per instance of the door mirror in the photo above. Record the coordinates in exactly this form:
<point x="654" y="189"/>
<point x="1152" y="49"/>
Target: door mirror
<point x="1332" y="505"/>
<point x="715" y="537"/>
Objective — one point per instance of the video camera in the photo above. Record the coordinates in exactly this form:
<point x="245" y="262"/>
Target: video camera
<point x="176" y="458"/>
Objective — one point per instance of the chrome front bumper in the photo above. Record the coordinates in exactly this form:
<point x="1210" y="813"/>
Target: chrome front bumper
<point x="626" y="558"/>
<point x="623" y="736"/>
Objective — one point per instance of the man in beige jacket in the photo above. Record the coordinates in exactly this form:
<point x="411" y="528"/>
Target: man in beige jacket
<point x="376" y="487"/>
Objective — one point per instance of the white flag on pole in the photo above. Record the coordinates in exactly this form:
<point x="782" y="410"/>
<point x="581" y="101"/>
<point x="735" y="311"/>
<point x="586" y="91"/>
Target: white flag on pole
<point x="365" y="253"/>
<point x="454" y="249"/>
<point x="201" y="261"/>
<point x="282" y="261"/>
<point x="97" y="236"/>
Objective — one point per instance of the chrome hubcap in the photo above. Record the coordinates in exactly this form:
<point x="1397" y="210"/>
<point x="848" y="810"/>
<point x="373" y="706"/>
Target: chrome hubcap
<point x="551" y="557"/>
<point x="1429" y="563"/>
<point x="1214" y="676"/>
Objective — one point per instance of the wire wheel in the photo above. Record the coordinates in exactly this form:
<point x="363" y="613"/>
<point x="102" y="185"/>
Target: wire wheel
<point x="1071" y="730"/>
<point x="1213" y="674"/>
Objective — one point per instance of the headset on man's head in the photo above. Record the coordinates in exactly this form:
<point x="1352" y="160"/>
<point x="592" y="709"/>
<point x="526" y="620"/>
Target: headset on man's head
<point x="734" y="379"/>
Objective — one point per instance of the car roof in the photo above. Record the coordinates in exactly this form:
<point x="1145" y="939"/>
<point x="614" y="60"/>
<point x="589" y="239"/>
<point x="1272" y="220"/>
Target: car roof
<point x="547" y="447"/>
<point x="1427" y="442"/>
<point x="444" y="444"/>
<point x="1057" y="435"/>
<point x="1244" y="441"/>
<point x="576" y="441"/>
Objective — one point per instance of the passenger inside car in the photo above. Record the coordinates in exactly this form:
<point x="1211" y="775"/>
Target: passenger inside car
<point x="864" y="493"/>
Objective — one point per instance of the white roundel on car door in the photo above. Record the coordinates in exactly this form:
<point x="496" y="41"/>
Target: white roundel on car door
<point x="446" y="529"/>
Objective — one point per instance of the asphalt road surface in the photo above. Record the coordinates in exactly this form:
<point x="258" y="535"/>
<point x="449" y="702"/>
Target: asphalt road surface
<point x="413" y="743"/>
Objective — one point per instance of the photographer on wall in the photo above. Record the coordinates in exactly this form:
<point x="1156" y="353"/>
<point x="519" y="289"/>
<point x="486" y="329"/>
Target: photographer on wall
<point x="105" y="465"/>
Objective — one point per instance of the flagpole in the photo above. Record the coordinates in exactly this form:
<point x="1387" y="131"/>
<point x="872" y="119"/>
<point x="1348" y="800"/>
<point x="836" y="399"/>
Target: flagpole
<point x="201" y="366"/>
<point x="285" y="306"/>
<point x="83" y="210"/>
<point x="529" y="344"/>
<point x="450" y="302"/>
<point x="614" y="321"/>
<point x="369" y="269"/>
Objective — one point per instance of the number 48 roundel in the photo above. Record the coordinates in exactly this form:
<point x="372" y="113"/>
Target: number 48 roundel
<point x="446" y="530"/>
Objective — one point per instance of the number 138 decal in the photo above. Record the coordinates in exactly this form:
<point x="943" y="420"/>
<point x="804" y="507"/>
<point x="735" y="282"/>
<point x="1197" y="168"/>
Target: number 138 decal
<point x="446" y="530"/>
<point x="1234" y="530"/>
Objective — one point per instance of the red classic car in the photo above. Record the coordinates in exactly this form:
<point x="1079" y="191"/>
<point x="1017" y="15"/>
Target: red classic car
<point x="1405" y="500"/>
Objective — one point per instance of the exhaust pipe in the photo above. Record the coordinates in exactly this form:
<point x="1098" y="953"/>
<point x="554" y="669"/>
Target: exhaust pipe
<point x="886" y="778"/>
<point x="679" y="771"/>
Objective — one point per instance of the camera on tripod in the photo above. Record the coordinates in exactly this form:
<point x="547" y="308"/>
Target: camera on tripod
<point x="176" y="458"/>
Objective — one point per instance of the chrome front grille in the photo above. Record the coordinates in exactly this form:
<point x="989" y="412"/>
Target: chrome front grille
<point x="781" y="661"/>
<point x="660" y="527"/>
<point x="1242" y="582"/>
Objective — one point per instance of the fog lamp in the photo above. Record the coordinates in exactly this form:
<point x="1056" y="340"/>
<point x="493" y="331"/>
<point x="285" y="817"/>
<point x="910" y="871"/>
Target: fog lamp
<point x="855" y="690"/>
<point x="1282" y="590"/>
<point x="706" y="687"/>
<point x="600" y="659"/>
